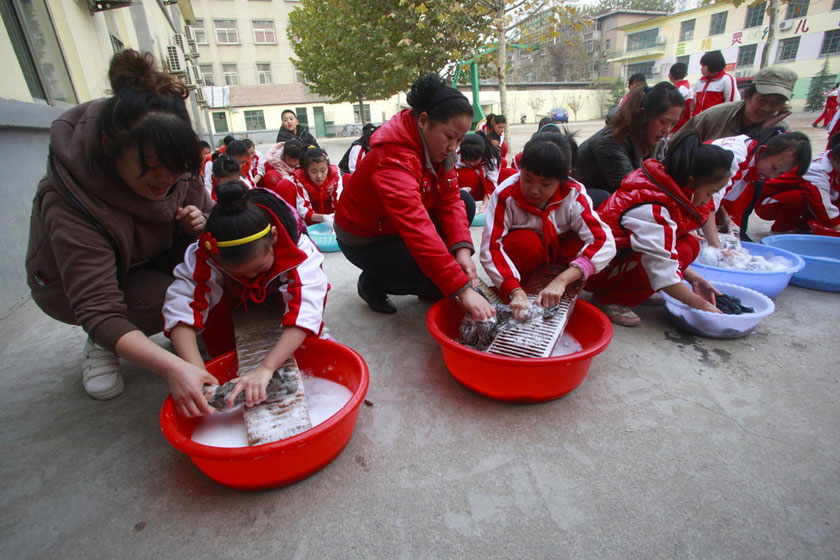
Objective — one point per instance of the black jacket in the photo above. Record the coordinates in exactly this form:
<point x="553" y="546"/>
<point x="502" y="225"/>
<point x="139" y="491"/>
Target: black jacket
<point x="602" y="163"/>
<point x="302" y="134"/>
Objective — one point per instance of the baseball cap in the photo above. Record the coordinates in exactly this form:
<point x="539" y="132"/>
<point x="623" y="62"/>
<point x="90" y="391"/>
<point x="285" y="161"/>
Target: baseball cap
<point x="775" y="80"/>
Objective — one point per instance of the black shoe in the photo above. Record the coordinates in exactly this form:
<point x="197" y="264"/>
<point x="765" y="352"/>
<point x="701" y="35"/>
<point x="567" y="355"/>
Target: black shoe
<point x="378" y="301"/>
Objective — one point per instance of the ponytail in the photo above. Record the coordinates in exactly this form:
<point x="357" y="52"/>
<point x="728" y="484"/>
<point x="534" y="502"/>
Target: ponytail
<point x="688" y="158"/>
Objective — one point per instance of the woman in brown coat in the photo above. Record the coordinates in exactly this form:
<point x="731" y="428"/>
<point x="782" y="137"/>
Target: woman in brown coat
<point x="119" y="203"/>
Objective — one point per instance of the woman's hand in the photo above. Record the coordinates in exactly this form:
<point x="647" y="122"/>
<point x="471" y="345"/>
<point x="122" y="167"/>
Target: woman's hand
<point x="190" y="220"/>
<point x="475" y="304"/>
<point x="253" y="384"/>
<point x="186" y="383"/>
<point x="519" y="304"/>
<point x="464" y="260"/>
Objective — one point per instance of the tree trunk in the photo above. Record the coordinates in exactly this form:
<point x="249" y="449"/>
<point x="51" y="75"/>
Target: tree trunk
<point x="362" y="108"/>
<point x="771" y="33"/>
<point x="502" y="61"/>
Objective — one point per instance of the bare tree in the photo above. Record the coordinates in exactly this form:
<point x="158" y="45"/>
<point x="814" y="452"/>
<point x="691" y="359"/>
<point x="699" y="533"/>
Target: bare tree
<point x="574" y="102"/>
<point x="536" y="103"/>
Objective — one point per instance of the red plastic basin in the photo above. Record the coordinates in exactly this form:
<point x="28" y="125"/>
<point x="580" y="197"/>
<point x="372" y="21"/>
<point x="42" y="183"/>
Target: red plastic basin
<point x="520" y="379"/>
<point x="283" y="462"/>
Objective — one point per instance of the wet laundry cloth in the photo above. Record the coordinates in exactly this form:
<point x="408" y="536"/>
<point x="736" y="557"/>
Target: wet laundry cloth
<point x="732" y="305"/>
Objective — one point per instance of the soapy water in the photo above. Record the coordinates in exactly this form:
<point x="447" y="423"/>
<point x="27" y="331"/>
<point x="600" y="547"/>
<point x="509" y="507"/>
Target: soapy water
<point x="226" y="428"/>
<point x="742" y="260"/>
<point x="566" y="345"/>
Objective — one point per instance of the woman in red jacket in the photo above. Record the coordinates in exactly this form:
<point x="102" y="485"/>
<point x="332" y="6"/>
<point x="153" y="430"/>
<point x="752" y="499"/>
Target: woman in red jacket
<point x="402" y="218"/>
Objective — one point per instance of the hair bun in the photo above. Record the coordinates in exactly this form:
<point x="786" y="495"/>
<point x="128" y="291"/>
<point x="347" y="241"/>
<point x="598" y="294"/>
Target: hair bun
<point x="131" y="70"/>
<point x="424" y="91"/>
<point x="232" y="197"/>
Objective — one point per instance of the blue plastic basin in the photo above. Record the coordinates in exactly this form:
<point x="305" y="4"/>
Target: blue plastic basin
<point x="323" y="237"/>
<point x="478" y="220"/>
<point x="821" y="255"/>
<point x="769" y="283"/>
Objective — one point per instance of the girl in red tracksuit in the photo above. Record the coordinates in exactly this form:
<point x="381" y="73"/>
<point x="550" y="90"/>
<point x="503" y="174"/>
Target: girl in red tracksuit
<point x="317" y="185"/>
<point x="238" y="150"/>
<point x="496" y="124"/>
<point x="542" y="216"/>
<point x="795" y="203"/>
<point x="774" y="153"/>
<point x="402" y="218"/>
<point x="478" y="167"/>
<point x="715" y="86"/>
<point x="251" y="251"/>
<point x="652" y="216"/>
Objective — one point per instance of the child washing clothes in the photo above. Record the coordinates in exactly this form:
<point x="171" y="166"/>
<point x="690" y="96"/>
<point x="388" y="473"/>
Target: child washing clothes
<point x="796" y="203"/>
<point x="774" y="153"/>
<point x="652" y="216"/>
<point x="542" y="216"/>
<point x="251" y="251"/>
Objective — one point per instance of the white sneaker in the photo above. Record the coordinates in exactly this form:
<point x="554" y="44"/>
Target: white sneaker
<point x="101" y="372"/>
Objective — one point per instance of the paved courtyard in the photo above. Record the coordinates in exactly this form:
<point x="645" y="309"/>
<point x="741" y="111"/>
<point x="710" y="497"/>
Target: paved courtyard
<point x="673" y="447"/>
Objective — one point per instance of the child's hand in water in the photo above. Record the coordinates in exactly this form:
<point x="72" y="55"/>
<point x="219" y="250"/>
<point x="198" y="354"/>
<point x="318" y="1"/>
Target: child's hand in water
<point x="253" y="384"/>
<point x="705" y="290"/>
<point x="519" y="304"/>
<point x="552" y="294"/>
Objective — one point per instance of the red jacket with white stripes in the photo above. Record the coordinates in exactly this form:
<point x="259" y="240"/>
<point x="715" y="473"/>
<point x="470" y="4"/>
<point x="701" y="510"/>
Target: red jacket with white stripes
<point x="313" y="198"/>
<point x="650" y="219"/>
<point x="296" y="276"/>
<point x="475" y="180"/>
<point x="737" y="195"/>
<point x="393" y="192"/>
<point x="708" y="92"/>
<point x="688" y="95"/>
<point x="820" y="185"/>
<point x="568" y="210"/>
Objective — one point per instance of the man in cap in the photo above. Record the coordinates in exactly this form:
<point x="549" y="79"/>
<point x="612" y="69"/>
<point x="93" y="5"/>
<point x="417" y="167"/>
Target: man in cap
<point x="765" y="104"/>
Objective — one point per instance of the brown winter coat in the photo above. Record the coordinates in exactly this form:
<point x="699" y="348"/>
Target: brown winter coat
<point x="88" y="229"/>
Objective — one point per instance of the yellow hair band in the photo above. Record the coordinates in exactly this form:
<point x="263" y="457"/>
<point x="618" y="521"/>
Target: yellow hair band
<point x="244" y="240"/>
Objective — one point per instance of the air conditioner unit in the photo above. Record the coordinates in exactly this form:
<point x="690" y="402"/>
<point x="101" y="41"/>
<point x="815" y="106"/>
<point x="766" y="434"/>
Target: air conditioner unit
<point x="175" y="60"/>
<point x="199" y="96"/>
<point x="660" y="40"/>
<point x="198" y="79"/>
<point x="193" y="49"/>
<point x="785" y="25"/>
<point x="180" y="40"/>
<point x="605" y="53"/>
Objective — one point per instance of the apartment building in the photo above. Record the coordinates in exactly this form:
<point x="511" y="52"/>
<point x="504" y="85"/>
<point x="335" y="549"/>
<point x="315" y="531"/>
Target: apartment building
<point x="604" y="38"/>
<point x="807" y="33"/>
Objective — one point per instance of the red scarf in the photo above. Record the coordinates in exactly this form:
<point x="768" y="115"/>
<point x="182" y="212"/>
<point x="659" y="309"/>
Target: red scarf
<point x="550" y="239"/>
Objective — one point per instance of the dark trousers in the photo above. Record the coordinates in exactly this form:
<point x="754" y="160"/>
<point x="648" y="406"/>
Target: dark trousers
<point x="389" y="267"/>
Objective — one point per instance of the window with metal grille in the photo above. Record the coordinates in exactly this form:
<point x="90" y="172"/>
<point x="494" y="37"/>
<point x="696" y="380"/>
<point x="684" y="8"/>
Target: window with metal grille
<point x="835" y="5"/>
<point x="264" y="32"/>
<point x="755" y="15"/>
<point x="263" y="72"/>
<point x="642" y="39"/>
<point x="831" y="43"/>
<point x="788" y="49"/>
<point x="718" y="24"/>
<point x="303" y="120"/>
<point x="254" y="120"/>
<point x="645" y="68"/>
<point x="230" y="74"/>
<point x="220" y="122"/>
<point x="687" y="30"/>
<point x="797" y="9"/>
<point x="356" y="116"/>
<point x="226" y="32"/>
<point x="207" y="74"/>
<point x="198" y="32"/>
<point x="684" y="59"/>
<point x="746" y="56"/>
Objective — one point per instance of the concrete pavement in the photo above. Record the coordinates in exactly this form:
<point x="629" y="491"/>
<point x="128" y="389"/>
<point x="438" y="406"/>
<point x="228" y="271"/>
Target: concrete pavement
<point x="673" y="447"/>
